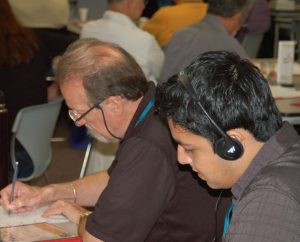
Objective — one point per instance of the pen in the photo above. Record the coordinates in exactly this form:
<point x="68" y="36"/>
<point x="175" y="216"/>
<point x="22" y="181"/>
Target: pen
<point x="11" y="198"/>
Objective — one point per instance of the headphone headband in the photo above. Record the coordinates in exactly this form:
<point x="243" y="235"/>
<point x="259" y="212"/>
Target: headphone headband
<point x="226" y="147"/>
<point x="188" y="86"/>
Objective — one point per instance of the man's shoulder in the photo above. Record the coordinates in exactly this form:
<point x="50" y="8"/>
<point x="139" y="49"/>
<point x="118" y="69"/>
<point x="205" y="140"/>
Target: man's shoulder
<point x="189" y="29"/>
<point x="157" y="132"/>
<point x="199" y="31"/>
<point x="164" y="11"/>
<point x="281" y="175"/>
<point x="108" y="28"/>
<point x="93" y="24"/>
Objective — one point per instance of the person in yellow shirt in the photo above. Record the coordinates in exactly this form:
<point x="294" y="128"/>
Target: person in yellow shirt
<point x="169" y="19"/>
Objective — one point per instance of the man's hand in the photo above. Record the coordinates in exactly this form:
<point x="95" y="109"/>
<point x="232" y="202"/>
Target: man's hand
<point x="26" y="198"/>
<point x="69" y="209"/>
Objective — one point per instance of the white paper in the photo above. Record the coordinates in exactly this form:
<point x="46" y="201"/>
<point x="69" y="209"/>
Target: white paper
<point x="32" y="217"/>
<point x="284" y="92"/>
<point x="32" y="232"/>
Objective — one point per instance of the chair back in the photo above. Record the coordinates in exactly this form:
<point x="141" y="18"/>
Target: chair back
<point x="33" y="128"/>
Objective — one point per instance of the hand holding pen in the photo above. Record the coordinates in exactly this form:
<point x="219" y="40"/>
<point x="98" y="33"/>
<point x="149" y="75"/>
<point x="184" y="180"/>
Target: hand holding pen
<point x="15" y="176"/>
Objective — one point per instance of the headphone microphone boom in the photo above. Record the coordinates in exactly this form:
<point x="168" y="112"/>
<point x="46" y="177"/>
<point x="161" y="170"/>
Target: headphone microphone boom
<point x="226" y="147"/>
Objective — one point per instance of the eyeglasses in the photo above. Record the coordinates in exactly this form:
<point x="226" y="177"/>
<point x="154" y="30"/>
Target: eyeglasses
<point x="75" y="116"/>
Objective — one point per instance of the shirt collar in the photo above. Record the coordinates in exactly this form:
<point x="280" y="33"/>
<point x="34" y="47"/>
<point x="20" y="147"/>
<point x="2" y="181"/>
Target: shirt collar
<point x="150" y="94"/>
<point x="284" y="138"/>
<point x="118" y="17"/>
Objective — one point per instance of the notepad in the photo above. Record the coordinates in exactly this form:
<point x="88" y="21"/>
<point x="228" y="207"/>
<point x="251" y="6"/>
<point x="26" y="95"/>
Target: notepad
<point x="32" y="217"/>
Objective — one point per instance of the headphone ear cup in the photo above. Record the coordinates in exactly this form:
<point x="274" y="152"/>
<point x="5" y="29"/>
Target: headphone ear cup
<point x="228" y="148"/>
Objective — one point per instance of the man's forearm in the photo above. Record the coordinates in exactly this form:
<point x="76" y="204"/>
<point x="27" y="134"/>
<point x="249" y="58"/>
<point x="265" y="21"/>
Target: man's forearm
<point x="84" y="191"/>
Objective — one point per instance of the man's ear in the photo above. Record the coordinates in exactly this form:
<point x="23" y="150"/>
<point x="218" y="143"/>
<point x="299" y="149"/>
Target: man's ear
<point x="115" y="104"/>
<point x="237" y="134"/>
<point x="237" y="21"/>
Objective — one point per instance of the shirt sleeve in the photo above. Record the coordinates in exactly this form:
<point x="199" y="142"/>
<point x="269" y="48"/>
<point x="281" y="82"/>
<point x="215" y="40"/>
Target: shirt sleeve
<point x="179" y="53"/>
<point x="265" y="215"/>
<point x="140" y="187"/>
<point x="156" y="58"/>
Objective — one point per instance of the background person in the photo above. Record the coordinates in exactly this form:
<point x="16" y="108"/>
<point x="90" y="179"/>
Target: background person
<point x="215" y="32"/>
<point x="258" y="23"/>
<point x="118" y="26"/>
<point x="221" y="112"/>
<point x="169" y="19"/>
<point x="51" y="15"/>
<point x="144" y="195"/>
<point x="25" y="60"/>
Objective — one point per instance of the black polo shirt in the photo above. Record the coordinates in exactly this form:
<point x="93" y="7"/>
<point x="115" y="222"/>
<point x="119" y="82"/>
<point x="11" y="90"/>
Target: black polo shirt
<point x="148" y="197"/>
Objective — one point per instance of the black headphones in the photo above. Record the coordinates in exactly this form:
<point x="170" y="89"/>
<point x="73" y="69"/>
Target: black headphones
<point x="226" y="147"/>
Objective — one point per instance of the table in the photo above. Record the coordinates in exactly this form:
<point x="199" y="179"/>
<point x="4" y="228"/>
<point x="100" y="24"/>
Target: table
<point x="31" y="226"/>
<point x="268" y="67"/>
<point x="289" y="109"/>
<point x="286" y="97"/>
<point x="288" y="102"/>
<point x="40" y="232"/>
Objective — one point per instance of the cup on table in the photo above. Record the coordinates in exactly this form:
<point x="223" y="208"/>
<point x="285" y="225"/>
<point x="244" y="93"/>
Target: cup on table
<point x="83" y="14"/>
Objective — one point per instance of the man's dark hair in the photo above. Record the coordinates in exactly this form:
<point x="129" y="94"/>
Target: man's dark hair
<point x="232" y="91"/>
<point x="228" y="8"/>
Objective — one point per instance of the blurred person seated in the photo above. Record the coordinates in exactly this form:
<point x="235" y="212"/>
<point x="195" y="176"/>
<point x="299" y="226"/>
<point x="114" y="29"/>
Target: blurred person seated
<point x="118" y="26"/>
<point x="215" y="32"/>
<point x="46" y="14"/>
<point x="257" y="24"/>
<point x="24" y="64"/>
<point x="169" y="19"/>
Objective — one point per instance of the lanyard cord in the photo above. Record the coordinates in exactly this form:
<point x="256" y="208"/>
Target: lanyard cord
<point x="227" y="219"/>
<point x="145" y="112"/>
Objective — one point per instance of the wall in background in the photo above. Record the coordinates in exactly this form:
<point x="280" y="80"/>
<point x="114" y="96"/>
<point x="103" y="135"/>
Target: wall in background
<point x="96" y="7"/>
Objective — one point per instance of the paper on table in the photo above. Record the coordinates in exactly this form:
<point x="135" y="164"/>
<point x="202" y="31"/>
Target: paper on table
<point x="33" y="232"/>
<point x="31" y="217"/>
<point x="284" y="92"/>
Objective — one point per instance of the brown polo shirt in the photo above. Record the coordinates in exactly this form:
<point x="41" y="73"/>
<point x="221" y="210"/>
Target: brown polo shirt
<point x="148" y="197"/>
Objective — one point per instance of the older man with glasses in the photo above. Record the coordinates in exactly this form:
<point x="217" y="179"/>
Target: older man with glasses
<point x="145" y="195"/>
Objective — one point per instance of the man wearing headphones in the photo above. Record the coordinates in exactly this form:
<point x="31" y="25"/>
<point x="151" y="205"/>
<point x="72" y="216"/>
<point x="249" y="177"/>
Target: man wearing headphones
<point x="222" y="115"/>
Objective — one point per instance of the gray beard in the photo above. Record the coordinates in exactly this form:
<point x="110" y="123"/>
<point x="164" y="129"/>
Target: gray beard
<point x="97" y="136"/>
